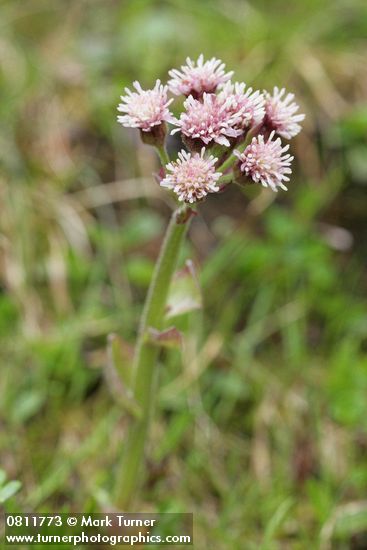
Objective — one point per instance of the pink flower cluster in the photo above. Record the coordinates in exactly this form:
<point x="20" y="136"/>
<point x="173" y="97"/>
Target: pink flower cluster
<point x="210" y="119"/>
<point x="280" y="113"/>
<point x="145" y="108"/>
<point x="264" y="162"/>
<point x="192" y="176"/>
<point x="241" y="125"/>
<point x="196" y="78"/>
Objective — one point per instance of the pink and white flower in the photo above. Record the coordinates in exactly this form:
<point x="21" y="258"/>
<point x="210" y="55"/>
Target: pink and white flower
<point x="192" y="176"/>
<point x="209" y="120"/>
<point x="198" y="77"/>
<point x="265" y="162"/>
<point x="248" y="104"/>
<point x="280" y="113"/>
<point x="145" y="108"/>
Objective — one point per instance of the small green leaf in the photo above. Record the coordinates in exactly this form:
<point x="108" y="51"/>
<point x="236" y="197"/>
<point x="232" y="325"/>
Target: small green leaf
<point x="8" y="490"/>
<point x="28" y="404"/>
<point x="276" y="521"/>
<point x="169" y="338"/>
<point x="184" y="294"/>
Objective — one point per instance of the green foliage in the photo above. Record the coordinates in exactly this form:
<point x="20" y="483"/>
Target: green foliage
<point x="7" y="488"/>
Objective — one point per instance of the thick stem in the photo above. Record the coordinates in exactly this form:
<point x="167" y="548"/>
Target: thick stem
<point x="225" y="179"/>
<point x="227" y="164"/>
<point x="163" y="155"/>
<point x="145" y="360"/>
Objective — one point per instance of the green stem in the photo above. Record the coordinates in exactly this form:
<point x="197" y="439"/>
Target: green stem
<point x="226" y="178"/>
<point x="227" y="164"/>
<point x="145" y="360"/>
<point x="163" y="155"/>
<point x="241" y="147"/>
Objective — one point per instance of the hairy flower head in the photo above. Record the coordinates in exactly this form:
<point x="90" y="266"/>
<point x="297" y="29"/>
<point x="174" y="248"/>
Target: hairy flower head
<point x="248" y="105"/>
<point x="192" y="176"/>
<point x="280" y="113"/>
<point x="145" y="108"/>
<point x="265" y="162"/>
<point x="198" y="77"/>
<point x="209" y="120"/>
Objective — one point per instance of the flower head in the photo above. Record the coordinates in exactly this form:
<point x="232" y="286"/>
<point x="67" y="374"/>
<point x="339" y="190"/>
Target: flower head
<point x="265" y="162"/>
<point x="209" y="120"/>
<point x="196" y="78"/>
<point x="280" y="113"/>
<point x="145" y="108"/>
<point x="247" y="105"/>
<point x="192" y="176"/>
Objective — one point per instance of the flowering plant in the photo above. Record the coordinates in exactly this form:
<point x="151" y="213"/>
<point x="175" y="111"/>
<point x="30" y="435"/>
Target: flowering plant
<point x="231" y="134"/>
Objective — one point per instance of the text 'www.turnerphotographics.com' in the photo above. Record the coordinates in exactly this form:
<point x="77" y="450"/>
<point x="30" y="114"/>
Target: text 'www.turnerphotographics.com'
<point x="99" y="529"/>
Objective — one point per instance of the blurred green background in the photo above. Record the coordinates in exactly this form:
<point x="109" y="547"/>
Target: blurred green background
<point x="261" y="425"/>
